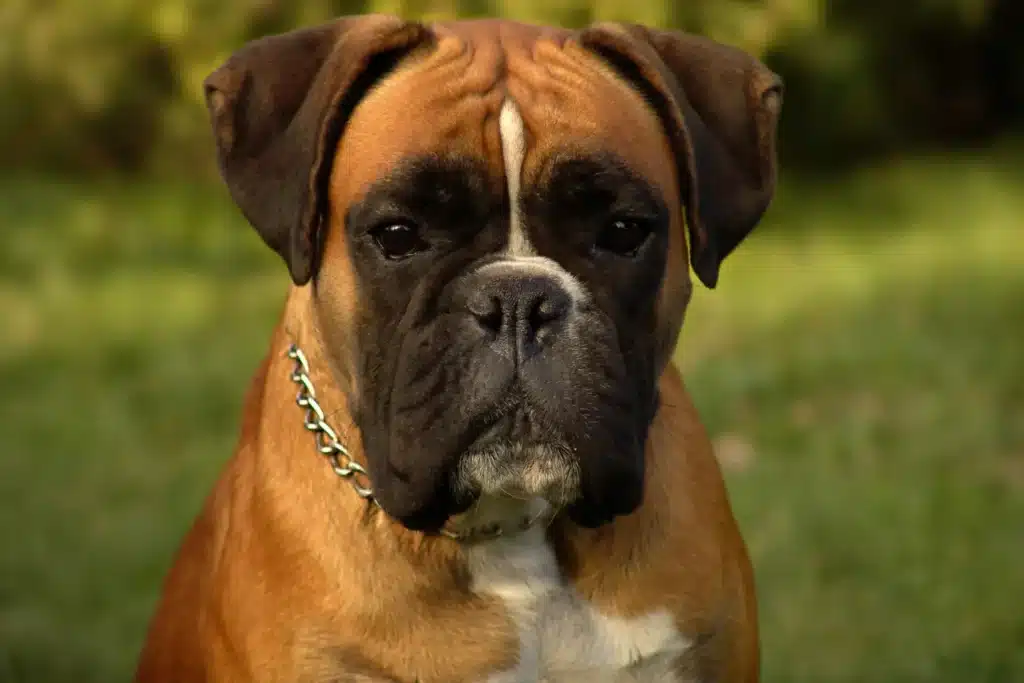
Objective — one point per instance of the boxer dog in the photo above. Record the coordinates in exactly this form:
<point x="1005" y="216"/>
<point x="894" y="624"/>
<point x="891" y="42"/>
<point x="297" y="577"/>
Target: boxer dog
<point x="494" y="474"/>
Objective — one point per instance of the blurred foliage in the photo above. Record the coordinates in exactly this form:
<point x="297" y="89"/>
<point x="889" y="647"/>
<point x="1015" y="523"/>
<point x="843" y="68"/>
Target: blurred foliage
<point x="115" y="84"/>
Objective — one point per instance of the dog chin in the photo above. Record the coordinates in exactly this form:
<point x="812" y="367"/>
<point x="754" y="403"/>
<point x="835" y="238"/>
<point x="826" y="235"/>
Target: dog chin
<point x="518" y="471"/>
<point x="511" y="485"/>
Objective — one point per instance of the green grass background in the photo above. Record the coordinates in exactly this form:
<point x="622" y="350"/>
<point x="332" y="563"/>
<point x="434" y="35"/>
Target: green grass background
<point x="861" y="367"/>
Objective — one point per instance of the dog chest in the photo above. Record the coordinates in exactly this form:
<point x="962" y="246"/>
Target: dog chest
<point x="563" y="639"/>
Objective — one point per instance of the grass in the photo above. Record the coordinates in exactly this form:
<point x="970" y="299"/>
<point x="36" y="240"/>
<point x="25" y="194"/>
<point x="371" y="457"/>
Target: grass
<point x="860" y="367"/>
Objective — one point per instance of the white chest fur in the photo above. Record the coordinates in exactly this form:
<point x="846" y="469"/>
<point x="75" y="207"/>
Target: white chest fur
<point x="562" y="638"/>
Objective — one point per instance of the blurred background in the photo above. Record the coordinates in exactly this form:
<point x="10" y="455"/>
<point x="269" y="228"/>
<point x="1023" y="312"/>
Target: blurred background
<point x="860" y="367"/>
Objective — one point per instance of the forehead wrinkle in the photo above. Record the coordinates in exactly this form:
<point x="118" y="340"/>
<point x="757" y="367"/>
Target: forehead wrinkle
<point x="474" y="68"/>
<point x="482" y="80"/>
<point x="450" y="99"/>
<point x="571" y="99"/>
<point x="445" y="101"/>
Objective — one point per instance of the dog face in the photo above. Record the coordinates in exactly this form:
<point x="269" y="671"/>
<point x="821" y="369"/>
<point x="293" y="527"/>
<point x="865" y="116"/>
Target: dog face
<point x="491" y="367"/>
<point x="491" y="218"/>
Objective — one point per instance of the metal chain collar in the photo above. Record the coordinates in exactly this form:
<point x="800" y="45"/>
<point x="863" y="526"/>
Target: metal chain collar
<point x="344" y="466"/>
<point x="326" y="438"/>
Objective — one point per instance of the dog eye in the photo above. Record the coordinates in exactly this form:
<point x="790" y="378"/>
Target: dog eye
<point x="623" y="236"/>
<point x="398" y="240"/>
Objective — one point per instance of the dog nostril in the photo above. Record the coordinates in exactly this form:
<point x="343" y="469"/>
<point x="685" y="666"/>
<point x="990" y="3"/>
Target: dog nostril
<point x="546" y="310"/>
<point x="492" y="320"/>
<point x="487" y="311"/>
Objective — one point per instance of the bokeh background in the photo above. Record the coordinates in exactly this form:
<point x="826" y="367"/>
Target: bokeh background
<point x="860" y="367"/>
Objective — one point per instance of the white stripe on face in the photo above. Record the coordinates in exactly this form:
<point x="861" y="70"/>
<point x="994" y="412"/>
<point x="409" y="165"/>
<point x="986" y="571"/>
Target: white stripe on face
<point x="520" y="256"/>
<point x="513" y="150"/>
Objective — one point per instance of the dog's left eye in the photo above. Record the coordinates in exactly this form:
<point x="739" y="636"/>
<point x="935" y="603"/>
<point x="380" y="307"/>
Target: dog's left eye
<point x="398" y="240"/>
<point x="623" y="236"/>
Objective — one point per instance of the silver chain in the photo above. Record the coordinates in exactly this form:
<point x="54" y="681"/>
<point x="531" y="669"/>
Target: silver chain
<point x="326" y="438"/>
<point x="344" y="466"/>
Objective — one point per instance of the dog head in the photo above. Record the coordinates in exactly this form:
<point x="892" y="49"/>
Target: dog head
<point x="493" y="220"/>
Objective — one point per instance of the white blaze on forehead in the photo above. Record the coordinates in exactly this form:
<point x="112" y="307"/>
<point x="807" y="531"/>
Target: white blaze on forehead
<point x="520" y="257"/>
<point x="513" y="150"/>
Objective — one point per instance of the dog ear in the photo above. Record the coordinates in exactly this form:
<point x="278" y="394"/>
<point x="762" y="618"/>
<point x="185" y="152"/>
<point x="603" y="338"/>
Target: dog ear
<point x="720" y="107"/>
<point x="278" y="106"/>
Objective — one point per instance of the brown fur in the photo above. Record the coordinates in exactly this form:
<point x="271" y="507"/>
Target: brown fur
<point x="287" y="575"/>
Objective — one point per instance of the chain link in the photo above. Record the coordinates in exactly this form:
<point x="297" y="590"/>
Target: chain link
<point x="326" y="438"/>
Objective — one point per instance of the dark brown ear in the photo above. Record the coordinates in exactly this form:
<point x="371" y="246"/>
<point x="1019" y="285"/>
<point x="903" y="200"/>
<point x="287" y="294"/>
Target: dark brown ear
<point x="278" y="106"/>
<point x="720" y="107"/>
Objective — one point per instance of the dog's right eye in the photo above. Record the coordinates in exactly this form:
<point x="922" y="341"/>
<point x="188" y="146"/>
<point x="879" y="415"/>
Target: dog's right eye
<point x="623" y="237"/>
<point x="398" y="240"/>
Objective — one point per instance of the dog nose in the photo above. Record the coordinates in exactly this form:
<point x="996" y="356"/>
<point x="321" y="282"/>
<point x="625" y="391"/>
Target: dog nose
<point x="524" y="312"/>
